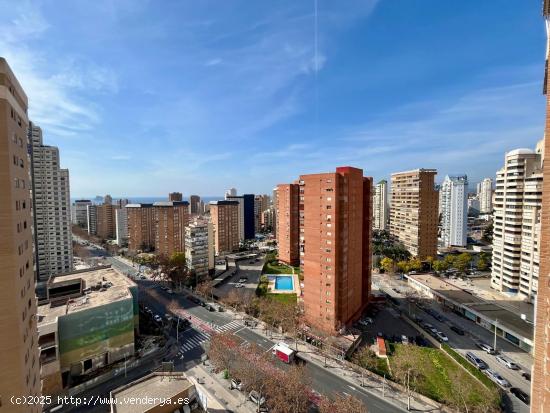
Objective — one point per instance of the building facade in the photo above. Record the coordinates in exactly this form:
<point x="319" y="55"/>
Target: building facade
<point x="248" y="216"/>
<point x="79" y="212"/>
<point x="335" y="254"/>
<point x="19" y="353"/>
<point x="170" y="219"/>
<point x="516" y="223"/>
<point x="51" y="208"/>
<point x="141" y="233"/>
<point x="454" y="211"/>
<point x="195" y="204"/>
<point x="121" y="224"/>
<point x="225" y="221"/>
<point x="91" y="219"/>
<point x="485" y="196"/>
<point x="175" y="196"/>
<point x="414" y="211"/>
<point x="380" y="205"/>
<point x="106" y="221"/>
<point x="88" y="321"/>
<point x="540" y="383"/>
<point x="288" y="222"/>
<point x="199" y="247"/>
<point x="261" y="204"/>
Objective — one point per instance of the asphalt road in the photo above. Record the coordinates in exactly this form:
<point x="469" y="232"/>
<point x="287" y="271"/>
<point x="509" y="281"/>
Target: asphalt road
<point x="323" y="380"/>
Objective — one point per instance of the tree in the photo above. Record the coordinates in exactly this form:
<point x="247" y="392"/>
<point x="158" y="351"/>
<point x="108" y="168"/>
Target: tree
<point x="404" y="266"/>
<point x="205" y="288"/>
<point x="174" y="268"/>
<point x="482" y="262"/>
<point x="462" y="261"/>
<point x="405" y="369"/>
<point x="439" y="265"/>
<point x="488" y="233"/>
<point x="291" y="392"/>
<point x="388" y="265"/>
<point x="222" y="352"/>
<point x="340" y="403"/>
<point x="415" y="264"/>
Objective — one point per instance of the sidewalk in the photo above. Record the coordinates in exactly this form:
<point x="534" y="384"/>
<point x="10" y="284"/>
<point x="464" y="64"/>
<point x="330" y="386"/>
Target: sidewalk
<point x="215" y="388"/>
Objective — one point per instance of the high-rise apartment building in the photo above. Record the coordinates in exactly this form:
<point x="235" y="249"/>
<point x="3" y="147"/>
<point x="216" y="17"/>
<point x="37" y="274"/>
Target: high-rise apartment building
<point x="380" y="205"/>
<point x="230" y="192"/>
<point x="453" y="196"/>
<point x="247" y="229"/>
<point x="175" y="196"/>
<point x="516" y="223"/>
<point x="194" y="204"/>
<point x="274" y="206"/>
<point x="268" y="220"/>
<point x="199" y="247"/>
<point x="335" y="254"/>
<point x="485" y="196"/>
<point x="414" y="211"/>
<point x="288" y="222"/>
<point x="121" y="226"/>
<point x="261" y="203"/>
<point x="91" y="219"/>
<point x="540" y="383"/>
<point x="141" y="229"/>
<point x="79" y="212"/>
<point x="106" y="221"/>
<point x="20" y="374"/>
<point x="107" y="200"/>
<point x="51" y="208"/>
<point x="170" y="219"/>
<point x="225" y="220"/>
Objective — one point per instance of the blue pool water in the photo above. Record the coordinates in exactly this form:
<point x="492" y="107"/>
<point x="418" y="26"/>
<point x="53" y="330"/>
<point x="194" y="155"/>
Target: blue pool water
<point x="283" y="282"/>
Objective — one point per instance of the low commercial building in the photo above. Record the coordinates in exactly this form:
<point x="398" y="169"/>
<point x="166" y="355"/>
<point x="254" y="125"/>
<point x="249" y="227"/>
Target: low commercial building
<point x="158" y="392"/>
<point x="88" y="321"/>
<point x="510" y="326"/>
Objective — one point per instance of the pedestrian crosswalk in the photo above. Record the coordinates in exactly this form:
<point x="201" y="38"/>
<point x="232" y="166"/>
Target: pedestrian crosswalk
<point x="231" y="326"/>
<point x="193" y="341"/>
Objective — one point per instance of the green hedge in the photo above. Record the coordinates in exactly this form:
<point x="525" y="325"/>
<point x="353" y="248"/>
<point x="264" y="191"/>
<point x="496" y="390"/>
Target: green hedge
<point x="468" y="366"/>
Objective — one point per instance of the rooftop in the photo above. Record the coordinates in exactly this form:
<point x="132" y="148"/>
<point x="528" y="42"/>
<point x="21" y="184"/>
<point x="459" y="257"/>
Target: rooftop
<point x="492" y="310"/>
<point x="84" y="289"/>
<point x="157" y="386"/>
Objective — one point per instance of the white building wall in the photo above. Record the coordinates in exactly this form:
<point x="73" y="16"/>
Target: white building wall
<point x="454" y="210"/>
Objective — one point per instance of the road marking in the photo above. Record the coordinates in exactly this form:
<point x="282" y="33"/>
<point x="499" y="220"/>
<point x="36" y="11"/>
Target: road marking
<point x="351" y="387"/>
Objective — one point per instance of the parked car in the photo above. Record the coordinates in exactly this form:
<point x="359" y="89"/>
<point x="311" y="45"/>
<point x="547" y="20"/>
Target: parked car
<point x="235" y="384"/>
<point x="526" y="376"/>
<point x="520" y="394"/>
<point x="157" y="318"/>
<point x="168" y="317"/>
<point x="476" y="361"/>
<point x="243" y="279"/>
<point x="497" y="378"/>
<point x="404" y="339"/>
<point x="169" y="291"/>
<point x="250" y="323"/>
<point x="441" y="337"/>
<point x="486" y="347"/>
<point x="457" y="330"/>
<point x="507" y="362"/>
<point x="210" y="307"/>
<point x="255" y="398"/>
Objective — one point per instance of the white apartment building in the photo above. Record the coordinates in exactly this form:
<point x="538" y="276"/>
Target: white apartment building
<point x="485" y="196"/>
<point x="516" y="219"/>
<point x="121" y="226"/>
<point x="230" y="192"/>
<point x="199" y="246"/>
<point x="51" y="208"/>
<point x="453" y="198"/>
<point x="79" y="212"/>
<point x="380" y="206"/>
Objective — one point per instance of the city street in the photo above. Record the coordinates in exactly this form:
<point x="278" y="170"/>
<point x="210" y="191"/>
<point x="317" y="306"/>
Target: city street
<point x="463" y="343"/>
<point x="192" y="340"/>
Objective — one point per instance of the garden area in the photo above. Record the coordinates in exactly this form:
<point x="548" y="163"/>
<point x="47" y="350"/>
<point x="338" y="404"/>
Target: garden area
<point x="434" y="374"/>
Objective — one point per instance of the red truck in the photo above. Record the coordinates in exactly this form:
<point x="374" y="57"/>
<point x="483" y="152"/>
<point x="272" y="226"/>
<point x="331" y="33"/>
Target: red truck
<point x="283" y="352"/>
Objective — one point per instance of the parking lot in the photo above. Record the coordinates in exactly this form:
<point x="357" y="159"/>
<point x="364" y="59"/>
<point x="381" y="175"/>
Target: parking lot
<point x="251" y="269"/>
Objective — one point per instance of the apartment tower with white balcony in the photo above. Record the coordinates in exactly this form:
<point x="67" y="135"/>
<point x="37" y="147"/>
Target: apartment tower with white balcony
<point x="453" y="198"/>
<point x="516" y="218"/>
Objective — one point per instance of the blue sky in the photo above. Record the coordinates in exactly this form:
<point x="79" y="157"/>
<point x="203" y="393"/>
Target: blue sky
<point x="146" y="97"/>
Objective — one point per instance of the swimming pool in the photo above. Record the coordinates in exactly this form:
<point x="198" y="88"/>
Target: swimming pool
<point x="283" y="282"/>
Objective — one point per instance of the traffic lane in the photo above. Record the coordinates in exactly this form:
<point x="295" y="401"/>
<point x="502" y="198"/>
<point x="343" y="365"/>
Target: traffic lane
<point x="252" y="337"/>
<point x="328" y="383"/>
<point x="464" y="344"/>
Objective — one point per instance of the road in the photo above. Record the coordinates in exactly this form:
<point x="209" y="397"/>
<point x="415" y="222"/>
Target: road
<point x="153" y="296"/>
<point x="465" y="343"/>
<point x="192" y="340"/>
